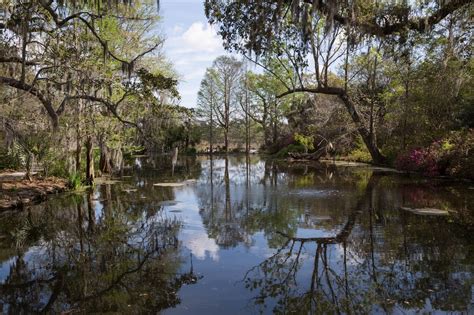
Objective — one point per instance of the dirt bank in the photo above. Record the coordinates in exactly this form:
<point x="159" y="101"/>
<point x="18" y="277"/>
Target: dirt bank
<point x="16" y="192"/>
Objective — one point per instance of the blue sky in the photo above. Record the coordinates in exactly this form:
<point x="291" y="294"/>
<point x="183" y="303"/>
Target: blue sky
<point x="191" y="44"/>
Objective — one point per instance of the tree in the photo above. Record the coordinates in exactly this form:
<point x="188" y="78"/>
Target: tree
<point x="219" y="93"/>
<point x="264" y="107"/>
<point x="207" y="99"/>
<point x="93" y="67"/>
<point x="329" y="33"/>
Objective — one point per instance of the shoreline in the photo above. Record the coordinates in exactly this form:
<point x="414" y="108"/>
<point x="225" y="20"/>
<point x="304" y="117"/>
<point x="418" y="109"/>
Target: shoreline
<point x="16" y="193"/>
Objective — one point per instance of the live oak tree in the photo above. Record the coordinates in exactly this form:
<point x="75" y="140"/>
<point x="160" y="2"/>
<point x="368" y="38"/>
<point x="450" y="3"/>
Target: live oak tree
<point x="94" y="70"/>
<point x="326" y="35"/>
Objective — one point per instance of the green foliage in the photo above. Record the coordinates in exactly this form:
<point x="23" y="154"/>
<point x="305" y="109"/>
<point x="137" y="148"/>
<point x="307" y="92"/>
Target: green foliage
<point x="74" y="181"/>
<point x="55" y="167"/>
<point x="306" y="141"/>
<point x="133" y="150"/>
<point x="157" y="82"/>
<point x="55" y="164"/>
<point x="452" y="156"/>
<point x="459" y="155"/>
<point x="360" y="153"/>
<point x="9" y="160"/>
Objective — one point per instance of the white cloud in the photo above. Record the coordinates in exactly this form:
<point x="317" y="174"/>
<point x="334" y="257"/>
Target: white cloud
<point x="201" y="37"/>
<point x="195" y="74"/>
<point x="202" y="246"/>
<point x="192" y="48"/>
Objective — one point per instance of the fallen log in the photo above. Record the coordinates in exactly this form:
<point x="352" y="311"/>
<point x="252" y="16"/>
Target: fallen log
<point x="314" y="156"/>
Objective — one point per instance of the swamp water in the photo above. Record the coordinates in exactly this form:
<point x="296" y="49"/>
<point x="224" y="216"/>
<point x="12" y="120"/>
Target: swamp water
<point x="240" y="236"/>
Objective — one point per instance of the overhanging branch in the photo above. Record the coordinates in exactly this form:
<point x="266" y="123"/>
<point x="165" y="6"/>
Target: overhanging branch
<point x="318" y="90"/>
<point x="45" y="101"/>
<point x="111" y="107"/>
<point x="419" y="24"/>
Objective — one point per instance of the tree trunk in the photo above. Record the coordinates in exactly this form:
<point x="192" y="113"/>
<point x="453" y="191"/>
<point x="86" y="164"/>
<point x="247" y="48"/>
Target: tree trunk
<point x="228" y="208"/>
<point x="174" y="160"/>
<point x="247" y="121"/>
<point x="104" y="162"/>
<point x="78" y="156"/>
<point x="89" y="161"/>
<point x="116" y="160"/>
<point x="226" y="140"/>
<point x="265" y="127"/>
<point x="266" y="137"/>
<point x="78" y="139"/>
<point x="29" y="165"/>
<point x="275" y="123"/>
<point x="211" y="135"/>
<point x="377" y="156"/>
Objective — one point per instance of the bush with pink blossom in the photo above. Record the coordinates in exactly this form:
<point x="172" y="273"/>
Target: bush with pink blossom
<point x="418" y="160"/>
<point x="453" y="155"/>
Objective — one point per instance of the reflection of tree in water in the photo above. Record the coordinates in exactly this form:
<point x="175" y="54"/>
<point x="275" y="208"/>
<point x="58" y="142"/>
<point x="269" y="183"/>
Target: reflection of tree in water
<point x="220" y="211"/>
<point x="71" y="258"/>
<point x="240" y="197"/>
<point x="164" y="166"/>
<point x="360" y="270"/>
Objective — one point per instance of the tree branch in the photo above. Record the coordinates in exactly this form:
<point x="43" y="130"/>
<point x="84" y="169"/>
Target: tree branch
<point x="5" y="59"/>
<point x="111" y="107"/>
<point x="318" y="90"/>
<point x="420" y="24"/>
<point x="34" y="91"/>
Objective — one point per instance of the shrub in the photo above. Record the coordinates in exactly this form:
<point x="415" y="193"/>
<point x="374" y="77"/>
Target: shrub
<point x="9" y="160"/>
<point x="360" y="152"/>
<point x="452" y="156"/>
<point x="306" y="141"/>
<point x="418" y="160"/>
<point x="55" y="164"/>
<point x="74" y="181"/>
<point x="460" y="158"/>
<point x="360" y="155"/>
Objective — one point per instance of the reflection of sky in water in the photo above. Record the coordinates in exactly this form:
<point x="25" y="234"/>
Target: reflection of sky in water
<point x="227" y="237"/>
<point x="322" y="207"/>
<point x="5" y="268"/>
<point x="193" y="235"/>
<point x="138" y="162"/>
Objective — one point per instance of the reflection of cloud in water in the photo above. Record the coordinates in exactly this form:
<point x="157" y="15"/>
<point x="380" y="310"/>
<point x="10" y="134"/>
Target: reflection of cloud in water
<point x="200" y="245"/>
<point x="193" y="235"/>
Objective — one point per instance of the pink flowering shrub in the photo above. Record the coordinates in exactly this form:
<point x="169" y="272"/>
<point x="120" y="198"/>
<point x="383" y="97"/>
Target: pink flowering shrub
<point x="453" y="156"/>
<point x="419" y="160"/>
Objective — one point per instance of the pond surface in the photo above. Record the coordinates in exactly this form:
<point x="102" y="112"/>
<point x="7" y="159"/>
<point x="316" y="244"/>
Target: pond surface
<point x="244" y="236"/>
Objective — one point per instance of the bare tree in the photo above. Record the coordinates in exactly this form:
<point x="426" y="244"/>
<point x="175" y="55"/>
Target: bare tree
<point x="227" y="72"/>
